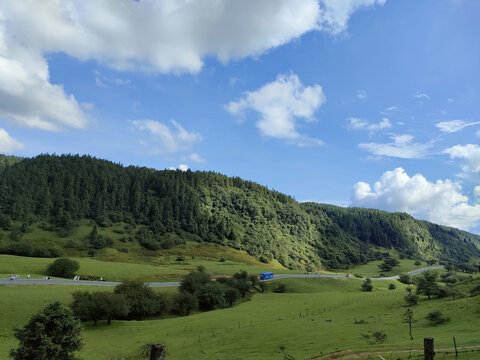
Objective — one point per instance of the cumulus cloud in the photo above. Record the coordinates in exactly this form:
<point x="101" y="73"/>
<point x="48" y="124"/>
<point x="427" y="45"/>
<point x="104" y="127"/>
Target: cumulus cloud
<point x="470" y="153"/>
<point x="281" y="104"/>
<point x="152" y="36"/>
<point x="358" y="124"/>
<point x="163" y="139"/>
<point x="7" y="143"/>
<point x="454" y="125"/>
<point x="402" y="147"/>
<point x="181" y="167"/>
<point x="440" y="202"/>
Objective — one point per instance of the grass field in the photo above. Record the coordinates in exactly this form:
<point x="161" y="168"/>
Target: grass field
<point x="161" y="268"/>
<point x="315" y="317"/>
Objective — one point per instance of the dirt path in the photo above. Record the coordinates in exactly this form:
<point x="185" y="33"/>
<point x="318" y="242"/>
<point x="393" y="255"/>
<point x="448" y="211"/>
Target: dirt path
<point x="341" y="355"/>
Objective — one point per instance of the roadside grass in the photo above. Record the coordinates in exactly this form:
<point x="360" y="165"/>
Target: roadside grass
<point x="372" y="270"/>
<point x="317" y="316"/>
<point x="167" y="269"/>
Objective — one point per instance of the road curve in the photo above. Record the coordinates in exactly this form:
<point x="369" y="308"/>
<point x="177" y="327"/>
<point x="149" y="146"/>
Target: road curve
<point x="175" y="284"/>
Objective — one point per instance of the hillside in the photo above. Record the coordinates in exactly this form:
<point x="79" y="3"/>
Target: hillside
<point x="160" y="209"/>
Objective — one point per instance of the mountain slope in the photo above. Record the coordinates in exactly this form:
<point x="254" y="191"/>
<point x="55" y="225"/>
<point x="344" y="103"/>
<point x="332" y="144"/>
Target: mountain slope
<point x="206" y="206"/>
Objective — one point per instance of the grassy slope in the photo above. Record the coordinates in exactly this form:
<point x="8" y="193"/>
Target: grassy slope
<point x="266" y="326"/>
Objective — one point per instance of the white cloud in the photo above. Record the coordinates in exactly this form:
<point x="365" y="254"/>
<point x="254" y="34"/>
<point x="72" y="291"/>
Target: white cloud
<point x="401" y="147"/>
<point x="103" y="81"/>
<point x="441" y="202"/>
<point x="450" y="100"/>
<point x="164" y="139"/>
<point x="153" y="36"/>
<point x="470" y="153"/>
<point x="358" y="124"/>
<point x="421" y="96"/>
<point x="7" y="143"/>
<point x="280" y="104"/>
<point x="194" y="157"/>
<point x="454" y="125"/>
<point x="181" y="167"/>
<point x="362" y="94"/>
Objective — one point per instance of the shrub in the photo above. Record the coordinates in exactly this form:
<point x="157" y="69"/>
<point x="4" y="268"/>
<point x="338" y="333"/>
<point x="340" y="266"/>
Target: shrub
<point x="367" y="285"/>
<point x="180" y="258"/>
<point x="436" y="317"/>
<point x="405" y="279"/>
<point x="63" y="267"/>
<point x="280" y="289"/>
<point x="392" y="287"/>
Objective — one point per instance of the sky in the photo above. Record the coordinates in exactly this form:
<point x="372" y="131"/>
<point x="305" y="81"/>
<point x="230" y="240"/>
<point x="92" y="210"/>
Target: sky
<point x="370" y="103"/>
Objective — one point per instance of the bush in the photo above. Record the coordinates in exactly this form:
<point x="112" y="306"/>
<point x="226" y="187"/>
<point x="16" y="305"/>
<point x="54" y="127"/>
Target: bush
<point x="63" y="267"/>
<point x="392" y="287"/>
<point x="436" y="317"/>
<point x="367" y="285"/>
<point x="280" y="289"/>
<point x="21" y="249"/>
<point x="180" y="258"/>
<point x="405" y="279"/>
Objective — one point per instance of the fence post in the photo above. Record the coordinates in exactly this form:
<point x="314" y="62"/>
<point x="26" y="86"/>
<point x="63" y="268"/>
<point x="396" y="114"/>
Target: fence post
<point x="455" y="344"/>
<point x="428" y="349"/>
<point x="158" y="352"/>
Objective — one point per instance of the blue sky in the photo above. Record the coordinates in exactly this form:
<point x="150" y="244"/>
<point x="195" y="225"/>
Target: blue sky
<point x="354" y="102"/>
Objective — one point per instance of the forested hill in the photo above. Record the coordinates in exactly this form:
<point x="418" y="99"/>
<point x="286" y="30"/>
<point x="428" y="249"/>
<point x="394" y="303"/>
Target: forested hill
<point x="210" y="207"/>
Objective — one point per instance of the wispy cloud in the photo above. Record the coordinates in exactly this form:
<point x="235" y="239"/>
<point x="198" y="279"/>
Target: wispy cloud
<point x="402" y="147"/>
<point x="454" y="125"/>
<point x="362" y="94"/>
<point x="163" y="139"/>
<point x="7" y="143"/>
<point x="421" y="95"/>
<point x="359" y="124"/>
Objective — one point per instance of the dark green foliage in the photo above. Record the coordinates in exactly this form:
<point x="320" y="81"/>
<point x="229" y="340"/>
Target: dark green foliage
<point x="408" y="318"/>
<point x="99" y="306"/>
<point x="170" y="206"/>
<point x="194" y="281"/>
<point x="427" y="284"/>
<point x="184" y="303"/>
<point x="405" y="279"/>
<point x="418" y="263"/>
<point x="142" y="300"/>
<point x="392" y="287"/>
<point x="411" y="299"/>
<point x="231" y="295"/>
<point x="63" y="267"/>
<point x="367" y="285"/>
<point x="22" y="249"/>
<point x="436" y="317"/>
<point x="388" y="264"/>
<point x="280" y="289"/>
<point x="211" y="296"/>
<point x="51" y="334"/>
<point x="475" y="291"/>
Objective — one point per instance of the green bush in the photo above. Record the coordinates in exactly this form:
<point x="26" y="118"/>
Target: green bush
<point x="436" y="317"/>
<point x="63" y="267"/>
<point x="392" y="287"/>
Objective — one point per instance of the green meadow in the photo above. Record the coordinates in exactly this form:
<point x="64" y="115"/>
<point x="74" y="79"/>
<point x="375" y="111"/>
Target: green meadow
<point x="315" y="317"/>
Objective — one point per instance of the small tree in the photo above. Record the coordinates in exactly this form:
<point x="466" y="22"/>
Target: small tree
<point x="185" y="302"/>
<point x="427" y="284"/>
<point x="51" y="334"/>
<point x="417" y="263"/>
<point x="211" y="297"/>
<point x="63" y="267"/>
<point x="411" y="299"/>
<point x="141" y="299"/>
<point x="195" y="281"/>
<point x="263" y="286"/>
<point x="407" y="317"/>
<point x="100" y="305"/>
<point x="231" y="294"/>
<point x="405" y="279"/>
<point x="367" y="285"/>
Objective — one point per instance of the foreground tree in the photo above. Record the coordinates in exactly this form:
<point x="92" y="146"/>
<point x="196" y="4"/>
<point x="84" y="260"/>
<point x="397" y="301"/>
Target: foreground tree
<point x="63" y="267"/>
<point x="51" y="334"/>
<point x="427" y="284"/>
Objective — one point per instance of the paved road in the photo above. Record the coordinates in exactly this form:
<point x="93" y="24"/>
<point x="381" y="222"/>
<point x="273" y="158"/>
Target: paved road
<point x="175" y="284"/>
